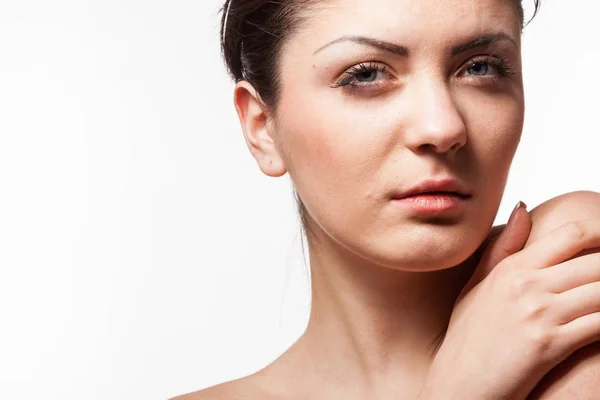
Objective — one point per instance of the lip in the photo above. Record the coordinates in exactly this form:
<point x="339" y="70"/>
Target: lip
<point x="434" y="204"/>
<point x="441" y="187"/>
<point x="435" y="197"/>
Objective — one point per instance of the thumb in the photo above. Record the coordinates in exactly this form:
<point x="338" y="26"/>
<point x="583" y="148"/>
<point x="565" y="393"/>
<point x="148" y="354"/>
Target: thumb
<point x="510" y="241"/>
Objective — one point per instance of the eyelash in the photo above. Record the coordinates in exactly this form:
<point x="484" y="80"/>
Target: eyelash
<point x="351" y="74"/>
<point x="500" y="63"/>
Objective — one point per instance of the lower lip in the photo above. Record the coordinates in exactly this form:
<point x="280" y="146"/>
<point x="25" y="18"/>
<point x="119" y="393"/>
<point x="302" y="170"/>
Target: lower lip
<point x="434" y="203"/>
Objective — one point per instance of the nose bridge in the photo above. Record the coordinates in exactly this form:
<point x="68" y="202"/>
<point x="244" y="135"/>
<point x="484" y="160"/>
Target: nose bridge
<point x="436" y="122"/>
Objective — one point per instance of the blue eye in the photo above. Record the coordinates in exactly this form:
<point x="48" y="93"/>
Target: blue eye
<point x="362" y="75"/>
<point x="479" y="68"/>
<point x="488" y="66"/>
<point x="367" y="76"/>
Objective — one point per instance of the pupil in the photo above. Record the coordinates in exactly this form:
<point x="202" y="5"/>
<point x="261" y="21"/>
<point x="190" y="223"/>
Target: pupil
<point x="479" y="68"/>
<point x="367" y="76"/>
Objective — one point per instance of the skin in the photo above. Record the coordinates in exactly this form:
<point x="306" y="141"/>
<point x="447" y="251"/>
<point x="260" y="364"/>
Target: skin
<point x="575" y="378"/>
<point x="385" y="278"/>
<point x="434" y="120"/>
<point x="578" y="376"/>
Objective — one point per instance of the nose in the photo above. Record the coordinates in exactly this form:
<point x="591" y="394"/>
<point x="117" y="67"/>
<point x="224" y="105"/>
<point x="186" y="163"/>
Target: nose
<point x="435" y="122"/>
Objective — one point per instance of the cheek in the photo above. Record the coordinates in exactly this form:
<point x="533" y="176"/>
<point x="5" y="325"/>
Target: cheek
<point x="495" y="124"/>
<point x="333" y="151"/>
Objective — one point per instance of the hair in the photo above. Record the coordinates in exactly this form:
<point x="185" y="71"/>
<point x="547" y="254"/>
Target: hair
<point x="253" y="33"/>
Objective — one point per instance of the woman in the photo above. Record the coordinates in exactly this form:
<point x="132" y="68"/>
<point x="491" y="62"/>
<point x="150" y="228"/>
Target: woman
<point x="397" y="121"/>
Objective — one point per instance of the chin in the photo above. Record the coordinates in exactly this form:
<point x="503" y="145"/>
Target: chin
<point x="432" y="250"/>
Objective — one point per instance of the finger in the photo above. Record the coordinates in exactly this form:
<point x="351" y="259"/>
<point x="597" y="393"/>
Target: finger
<point x="470" y="263"/>
<point x="577" y="302"/>
<point x="573" y="273"/>
<point x="559" y="245"/>
<point x="579" y="333"/>
<point x="511" y="240"/>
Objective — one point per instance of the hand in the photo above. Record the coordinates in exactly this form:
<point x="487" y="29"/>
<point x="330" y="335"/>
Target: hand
<point x="502" y="241"/>
<point x="512" y="327"/>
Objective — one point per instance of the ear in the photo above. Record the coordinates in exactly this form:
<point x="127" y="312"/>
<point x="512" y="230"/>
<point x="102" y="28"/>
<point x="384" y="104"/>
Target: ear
<point x="257" y="129"/>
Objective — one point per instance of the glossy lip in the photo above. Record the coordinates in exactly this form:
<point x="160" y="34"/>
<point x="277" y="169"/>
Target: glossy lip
<point x="434" y="203"/>
<point x="441" y="187"/>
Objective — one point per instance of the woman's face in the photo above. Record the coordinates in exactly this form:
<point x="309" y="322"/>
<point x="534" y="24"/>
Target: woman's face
<point x="380" y="96"/>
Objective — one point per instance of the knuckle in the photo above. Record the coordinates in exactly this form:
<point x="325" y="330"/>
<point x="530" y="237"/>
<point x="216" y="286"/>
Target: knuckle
<point x="533" y="310"/>
<point x="519" y="285"/>
<point x="575" y="230"/>
<point x="508" y="264"/>
<point x="541" y="339"/>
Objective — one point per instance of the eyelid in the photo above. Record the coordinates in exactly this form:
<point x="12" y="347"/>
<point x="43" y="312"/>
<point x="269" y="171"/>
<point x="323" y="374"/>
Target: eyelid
<point x="350" y="73"/>
<point x="496" y="60"/>
<point x="348" y="78"/>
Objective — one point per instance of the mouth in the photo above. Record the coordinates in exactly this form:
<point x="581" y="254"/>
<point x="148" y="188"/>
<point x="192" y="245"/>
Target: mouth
<point x="434" y="193"/>
<point x="444" y="187"/>
<point x="435" y="203"/>
<point x="435" y="197"/>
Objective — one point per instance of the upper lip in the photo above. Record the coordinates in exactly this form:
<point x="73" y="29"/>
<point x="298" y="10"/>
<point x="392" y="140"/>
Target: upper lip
<point x="441" y="185"/>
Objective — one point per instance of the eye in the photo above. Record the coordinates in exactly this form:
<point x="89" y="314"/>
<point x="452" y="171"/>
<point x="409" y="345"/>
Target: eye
<point x="367" y="76"/>
<point x="488" y="67"/>
<point x="362" y="76"/>
<point x="479" y="68"/>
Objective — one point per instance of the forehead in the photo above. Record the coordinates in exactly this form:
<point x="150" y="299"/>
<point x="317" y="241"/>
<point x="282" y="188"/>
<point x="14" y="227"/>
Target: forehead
<point x="411" y="23"/>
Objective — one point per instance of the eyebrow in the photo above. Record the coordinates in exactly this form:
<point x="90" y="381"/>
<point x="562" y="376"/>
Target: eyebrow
<point x="391" y="47"/>
<point x="480" y="41"/>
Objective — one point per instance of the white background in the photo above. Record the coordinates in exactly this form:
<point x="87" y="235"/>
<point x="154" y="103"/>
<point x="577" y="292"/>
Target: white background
<point x="142" y="253"/>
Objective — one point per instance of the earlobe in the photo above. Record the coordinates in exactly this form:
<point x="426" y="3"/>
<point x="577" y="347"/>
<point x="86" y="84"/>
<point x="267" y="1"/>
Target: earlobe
<point x="256" y="128"/>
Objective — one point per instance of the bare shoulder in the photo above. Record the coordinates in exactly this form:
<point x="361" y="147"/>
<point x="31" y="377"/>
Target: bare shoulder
<point x="577" y="377"/>
<point x="218" y="392"/>
<point x="275" y="381"/>
<point x="246" y="388"/>
<point x="565" y="208"/>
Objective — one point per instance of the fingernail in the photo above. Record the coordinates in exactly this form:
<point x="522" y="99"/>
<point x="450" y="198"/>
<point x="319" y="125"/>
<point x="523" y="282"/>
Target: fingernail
<point x="520" y="204"/>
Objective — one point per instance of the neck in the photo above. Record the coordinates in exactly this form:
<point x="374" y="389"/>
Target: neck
<point x="375" y="329"/>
